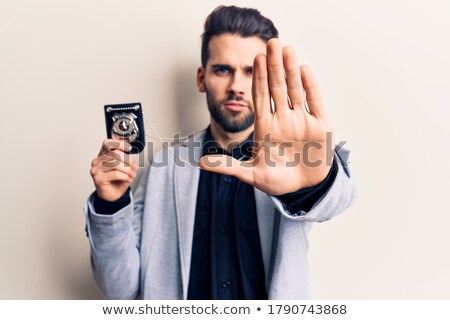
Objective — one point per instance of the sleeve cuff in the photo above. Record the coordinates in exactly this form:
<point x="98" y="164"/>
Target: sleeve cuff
<point x="304" y="199"/>
<point x="110" y="207"/>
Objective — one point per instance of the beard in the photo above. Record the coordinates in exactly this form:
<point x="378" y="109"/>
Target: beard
<point x="230" y="121"/>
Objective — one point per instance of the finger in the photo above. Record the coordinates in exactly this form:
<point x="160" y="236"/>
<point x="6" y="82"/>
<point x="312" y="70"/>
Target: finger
<point x="277" y="79"/>
<point x="224" y="164"/>
<point x="115" y="176"/>
<point x="293" y="78"/>
<point x="112" y="144"/>
<point x="313" y="96"/>
<point x="260" y="88"/>
<point x="117" y="156"/>
<point x="122" y="167"/>
<point x="104" y="164"/>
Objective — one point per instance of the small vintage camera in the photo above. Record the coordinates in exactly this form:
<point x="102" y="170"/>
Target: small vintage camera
<point x="125" y="122"/>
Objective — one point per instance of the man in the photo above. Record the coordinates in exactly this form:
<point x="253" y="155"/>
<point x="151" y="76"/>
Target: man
<point x="237" y="229"/>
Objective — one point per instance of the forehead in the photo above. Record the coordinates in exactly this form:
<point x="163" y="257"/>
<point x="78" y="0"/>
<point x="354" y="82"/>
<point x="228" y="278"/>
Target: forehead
<point x="234" y="50"/>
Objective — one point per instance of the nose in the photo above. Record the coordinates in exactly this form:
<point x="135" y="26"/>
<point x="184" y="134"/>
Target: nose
<point x="238" y="84"/>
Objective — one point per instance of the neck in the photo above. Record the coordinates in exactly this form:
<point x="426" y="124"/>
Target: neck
<point x="228" y="140"/>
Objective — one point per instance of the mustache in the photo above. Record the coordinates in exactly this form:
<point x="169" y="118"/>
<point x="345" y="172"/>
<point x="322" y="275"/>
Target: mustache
<point x="234" y="97"/>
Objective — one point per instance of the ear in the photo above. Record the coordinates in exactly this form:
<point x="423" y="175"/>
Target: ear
<point x="201" y="79"/>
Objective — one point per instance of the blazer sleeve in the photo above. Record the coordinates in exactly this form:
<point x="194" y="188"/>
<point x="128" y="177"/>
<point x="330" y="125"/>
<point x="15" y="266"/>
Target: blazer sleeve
<point x="339" y="196"/>
<point x="114" y="242"/>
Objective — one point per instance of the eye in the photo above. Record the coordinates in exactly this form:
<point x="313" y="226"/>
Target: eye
<point x="222" y="70"/>
<point x="249" y="71"/>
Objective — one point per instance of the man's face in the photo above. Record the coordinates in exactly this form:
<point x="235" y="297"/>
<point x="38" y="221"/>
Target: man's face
<point x="227" y="80"/>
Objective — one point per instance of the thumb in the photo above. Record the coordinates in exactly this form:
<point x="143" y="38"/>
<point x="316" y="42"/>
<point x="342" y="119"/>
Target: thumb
<point x="223" y="164"/>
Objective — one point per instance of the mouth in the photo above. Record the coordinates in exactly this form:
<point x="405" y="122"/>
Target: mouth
<point x="235" y="106"/>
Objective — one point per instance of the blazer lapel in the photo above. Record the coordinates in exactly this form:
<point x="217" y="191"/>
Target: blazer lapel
<point x="186" y="177"/>
<point x="268" y="221"/>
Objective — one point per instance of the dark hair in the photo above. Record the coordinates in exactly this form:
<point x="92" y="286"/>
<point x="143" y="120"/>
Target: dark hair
<point x="245" y="22"/>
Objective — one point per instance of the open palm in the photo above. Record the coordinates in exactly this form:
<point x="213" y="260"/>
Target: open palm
<point x="290" y="141"/>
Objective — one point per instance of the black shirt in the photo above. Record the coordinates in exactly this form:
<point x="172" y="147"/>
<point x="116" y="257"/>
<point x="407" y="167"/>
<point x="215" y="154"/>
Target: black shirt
<point x="226" y="253"/>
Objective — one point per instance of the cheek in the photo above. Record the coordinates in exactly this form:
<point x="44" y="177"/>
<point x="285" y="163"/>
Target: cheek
<point x="216" y="86"/>
<point x="248" y="85"/>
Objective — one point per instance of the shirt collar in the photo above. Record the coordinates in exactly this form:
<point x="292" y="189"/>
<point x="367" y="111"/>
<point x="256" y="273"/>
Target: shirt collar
<point x="243" y="151"/>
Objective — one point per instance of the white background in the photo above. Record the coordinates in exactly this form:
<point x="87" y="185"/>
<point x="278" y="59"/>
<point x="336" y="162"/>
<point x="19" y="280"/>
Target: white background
<point x="383" y="68"/>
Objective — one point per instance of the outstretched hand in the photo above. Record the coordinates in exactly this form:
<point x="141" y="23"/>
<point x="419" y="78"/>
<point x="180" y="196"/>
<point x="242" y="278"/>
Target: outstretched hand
<point x="290" y="147"/>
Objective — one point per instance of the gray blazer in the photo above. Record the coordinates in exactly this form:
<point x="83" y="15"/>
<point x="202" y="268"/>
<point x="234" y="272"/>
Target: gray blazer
<point x="144" y="250"/>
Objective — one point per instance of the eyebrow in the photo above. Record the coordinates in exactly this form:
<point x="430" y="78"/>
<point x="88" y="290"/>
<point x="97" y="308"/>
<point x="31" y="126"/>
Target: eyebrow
<point x="227" y="66"/>
<point x="219" y="65"/>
